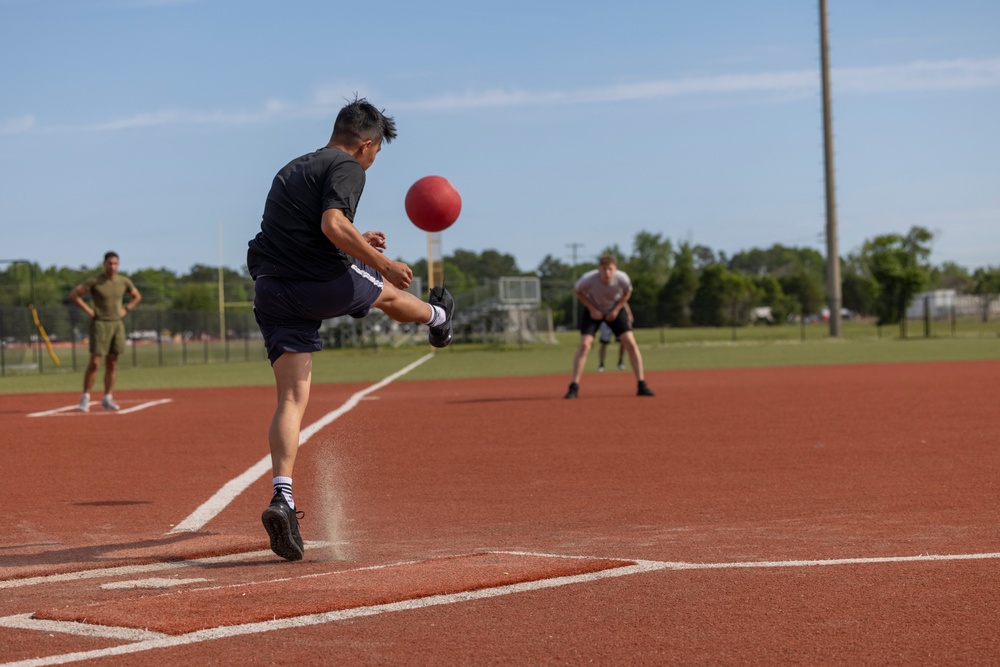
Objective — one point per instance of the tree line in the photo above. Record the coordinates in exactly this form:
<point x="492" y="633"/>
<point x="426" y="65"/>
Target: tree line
<point x="678" y="285"/>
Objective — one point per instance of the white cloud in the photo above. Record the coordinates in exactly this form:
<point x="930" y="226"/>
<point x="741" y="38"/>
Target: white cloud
<point x="272" y="109"/>
<point x="951" y="75"/>
<point x="17" y="125"/>
<point x="920" y="76"/>
<point x="917" y="76"/>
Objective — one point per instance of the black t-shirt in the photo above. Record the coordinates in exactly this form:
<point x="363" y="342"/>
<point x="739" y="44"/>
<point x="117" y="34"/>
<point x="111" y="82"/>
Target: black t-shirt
<point x="291" y="243"/>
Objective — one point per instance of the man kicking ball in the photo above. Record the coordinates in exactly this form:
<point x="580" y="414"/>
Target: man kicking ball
<point x="309" y="263"/>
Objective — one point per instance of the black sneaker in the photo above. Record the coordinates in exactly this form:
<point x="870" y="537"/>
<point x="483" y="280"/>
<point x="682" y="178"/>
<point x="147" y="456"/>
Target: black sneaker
<point x="282" y="525"/>
<point x="440" y="336"/>
<point x="644" y="390"/>
<point x="573" y="389"/>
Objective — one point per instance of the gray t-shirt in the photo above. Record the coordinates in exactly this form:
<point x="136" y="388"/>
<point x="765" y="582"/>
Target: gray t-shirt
<point x="604" y="297"/>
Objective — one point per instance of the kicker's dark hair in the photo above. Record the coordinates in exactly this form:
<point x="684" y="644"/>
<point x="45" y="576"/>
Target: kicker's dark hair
<point x="109" y="254"/>
<point x="361" y="121"/>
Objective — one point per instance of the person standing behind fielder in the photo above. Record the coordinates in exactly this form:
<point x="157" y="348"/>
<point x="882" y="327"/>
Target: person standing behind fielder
<point x="309" y="263"/>
<point x="107" y="331"/>
<point x="604" y="293"/>
<point x="604" y="332"/>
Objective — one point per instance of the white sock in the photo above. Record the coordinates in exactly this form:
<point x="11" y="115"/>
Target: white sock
<point x="438" y="316"/>
<point x="284" y="484"/>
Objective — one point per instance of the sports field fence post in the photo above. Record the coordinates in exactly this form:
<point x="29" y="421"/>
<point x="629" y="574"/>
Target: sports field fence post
<point x="204" y="335"/>
<point x="3" y="346"/>
<point x="159" y="335"/>
<point x="927" y="316"/>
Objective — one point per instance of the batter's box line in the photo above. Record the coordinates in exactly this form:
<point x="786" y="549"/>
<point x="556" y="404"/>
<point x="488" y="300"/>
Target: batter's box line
<point x="71" y="410"/>
<point x="157" y="641"/>
<point x="682" y="565"/>
<point x="636" y="567"/>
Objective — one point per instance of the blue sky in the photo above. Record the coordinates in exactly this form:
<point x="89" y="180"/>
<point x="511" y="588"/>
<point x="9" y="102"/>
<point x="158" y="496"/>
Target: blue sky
<point x="144" y="125"/>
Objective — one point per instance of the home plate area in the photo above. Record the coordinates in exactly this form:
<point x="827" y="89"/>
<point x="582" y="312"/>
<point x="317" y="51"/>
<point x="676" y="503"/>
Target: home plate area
<point x="186" y="611"/>
<point x="127" y="406"/>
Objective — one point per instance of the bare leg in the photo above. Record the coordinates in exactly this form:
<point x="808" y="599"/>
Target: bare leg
<point x="602" y="353"/>
<point x="90" y="374"/>
<point x="632" y="348"/>
<point x="292" y="377"/>
<point x="402" y="306"/>
<point x="110" y="372"/>
<point x="580" y="360"/>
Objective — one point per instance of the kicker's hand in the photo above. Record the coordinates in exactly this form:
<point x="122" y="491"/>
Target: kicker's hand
<point x="375" y="240"/>
<point x="398" y="274"/>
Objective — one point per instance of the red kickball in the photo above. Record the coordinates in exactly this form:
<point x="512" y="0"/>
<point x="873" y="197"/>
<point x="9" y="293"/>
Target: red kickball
<point x="433" y="203"/>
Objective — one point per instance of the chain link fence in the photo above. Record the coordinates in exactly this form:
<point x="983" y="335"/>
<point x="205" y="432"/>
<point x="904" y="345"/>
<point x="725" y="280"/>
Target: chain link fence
<point x="156" y="337"/>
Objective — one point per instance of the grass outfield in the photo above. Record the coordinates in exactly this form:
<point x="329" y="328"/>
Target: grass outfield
<point x="670" y="350"/>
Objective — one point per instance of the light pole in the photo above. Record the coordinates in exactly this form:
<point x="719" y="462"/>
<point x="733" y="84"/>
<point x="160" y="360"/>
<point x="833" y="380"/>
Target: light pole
<point x="833" y="292"/>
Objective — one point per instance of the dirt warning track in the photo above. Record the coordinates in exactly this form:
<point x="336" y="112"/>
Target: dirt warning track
<point x="832" y="515"/>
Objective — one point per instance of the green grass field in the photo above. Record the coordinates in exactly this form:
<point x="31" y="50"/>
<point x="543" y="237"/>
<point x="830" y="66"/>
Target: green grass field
<point x="662" y="350"/>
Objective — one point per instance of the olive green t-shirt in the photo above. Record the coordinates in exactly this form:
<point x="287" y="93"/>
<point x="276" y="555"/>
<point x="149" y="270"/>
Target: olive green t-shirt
<point x="107" y="294"/>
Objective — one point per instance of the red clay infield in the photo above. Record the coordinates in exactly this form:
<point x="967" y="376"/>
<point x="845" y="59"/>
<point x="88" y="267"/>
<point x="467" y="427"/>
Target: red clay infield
<point x="836" y="515"/>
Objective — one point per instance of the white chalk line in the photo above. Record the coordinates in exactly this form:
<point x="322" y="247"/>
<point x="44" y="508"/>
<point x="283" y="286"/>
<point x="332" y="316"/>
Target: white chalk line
<point x="72" y="409"/>
<point x="131" y="570"/>
<point x="158" y="641"/>
<point x="234" y="487"/>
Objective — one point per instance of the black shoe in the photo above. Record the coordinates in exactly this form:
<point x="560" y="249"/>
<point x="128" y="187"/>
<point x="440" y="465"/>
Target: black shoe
<point x="644" y="390"/>
<point x="573" y="388"/>
<point x="440" y="336"/>
<point x="282" y="525"/>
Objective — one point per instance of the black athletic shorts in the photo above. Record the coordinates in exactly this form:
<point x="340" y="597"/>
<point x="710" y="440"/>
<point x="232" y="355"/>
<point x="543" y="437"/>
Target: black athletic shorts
<point x="589" y="326"/>
<point x="289" y="312"/>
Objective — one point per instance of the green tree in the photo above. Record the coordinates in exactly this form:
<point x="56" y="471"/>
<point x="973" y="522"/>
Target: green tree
<point x="709" y="301"/>
<point x="556" y="278"/>
<point x="986" y="285"/>
<point x="738" y="294"/>
<point x="488" y="265"/>
<point x="897" y="264"/>
<point x="456" y="281"/>
<point x="238" y="286"/>
<point x="804" y="294"/>
<point x="648" y="267"/>
<point x="951" y="276"/>
<point x="779" y="261"/>
<point x="674" y="298"/>
<point x="157" y="286"/>
<point x="858" y="293"/>
<point x="196" y="296"/>
<point x="769" y="293"/>
<point x="705" y="256"/>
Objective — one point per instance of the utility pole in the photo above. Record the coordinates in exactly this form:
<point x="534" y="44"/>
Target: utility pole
<point x="573" y="247"/>
<point x="833" y="291"/>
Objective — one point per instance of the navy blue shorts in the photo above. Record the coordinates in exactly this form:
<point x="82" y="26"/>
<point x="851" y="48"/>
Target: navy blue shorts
<point x="618" y="326"/>
<point x="289" y="312"/>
